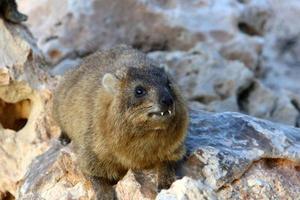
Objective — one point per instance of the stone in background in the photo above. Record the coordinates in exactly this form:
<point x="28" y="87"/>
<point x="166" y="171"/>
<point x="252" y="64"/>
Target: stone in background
<point x="261" y="34"/>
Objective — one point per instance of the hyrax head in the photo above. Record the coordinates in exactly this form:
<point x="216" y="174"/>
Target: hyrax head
<point x="145" y="97"/>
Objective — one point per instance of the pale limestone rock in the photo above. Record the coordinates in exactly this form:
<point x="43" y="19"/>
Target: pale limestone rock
<point x="244" y="49"/>
<point x="266" y="179"/>
<point x="55" y="175"/>
<point x="226" y="144"/>
<point x="221" y="85"/>
<point x="25" y="126"/>
<point x="77" y="28"/>
<point x="260" y="33"/>
<point x="187" y="189"/>
<point x="4" y="76"/>
<point x="15" y="50"/>
<point x="223" y="144"/>
<point x="221" y="163"/>
<point x="206" y="77"/>
<point x="280" y="60"/>
<point x="137" y="185"/>
<point x="262" y="102"/>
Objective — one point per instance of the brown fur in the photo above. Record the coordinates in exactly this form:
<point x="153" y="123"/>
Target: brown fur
<point x="111" y="135"/>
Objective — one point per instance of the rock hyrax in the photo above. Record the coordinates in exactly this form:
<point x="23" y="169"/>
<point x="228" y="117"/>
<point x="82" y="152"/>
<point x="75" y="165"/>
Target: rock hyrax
<point x="122" y="112"/>
<point x="9" y="10"/>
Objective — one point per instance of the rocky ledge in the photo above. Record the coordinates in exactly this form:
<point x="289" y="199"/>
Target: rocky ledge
<point x="230" y="156"/>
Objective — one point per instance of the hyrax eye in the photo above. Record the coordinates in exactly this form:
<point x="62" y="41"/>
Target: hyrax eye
<point x="140" y="91"/>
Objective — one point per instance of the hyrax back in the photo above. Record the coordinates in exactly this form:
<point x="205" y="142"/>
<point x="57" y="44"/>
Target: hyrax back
<point x="121" y="111"/>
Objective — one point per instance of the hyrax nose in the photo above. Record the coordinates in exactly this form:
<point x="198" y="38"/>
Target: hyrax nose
<point x="166" y="100"/>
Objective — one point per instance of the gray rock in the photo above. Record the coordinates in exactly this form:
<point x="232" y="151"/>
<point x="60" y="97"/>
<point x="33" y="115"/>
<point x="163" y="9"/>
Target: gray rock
<point x="260" y="101"/>
<point x="65" y="65"/>
<point x="228" y="143"/>
<point x="280" y="60"/>
<point x="221" y="85"/>
<point x="235" y="156"/>
<point x="206" y="77"/>
<point x="230" y="156"/>
<point x="77" y="28"/>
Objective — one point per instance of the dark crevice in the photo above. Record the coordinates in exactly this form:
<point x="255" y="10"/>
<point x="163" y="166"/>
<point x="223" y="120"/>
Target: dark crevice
<point x="7" y="196"/>
<point x="14" y="115"/>
<point x="274" y="107"/>
<point x="248" y="29"/>
<point x="243" y="97"/>
<point x="150" y="46"/>
<point x="147" y="43"/>
<point x="287" y="44"/>
<point x="297" y="107"/>
<point x="48" y="39"/>
<point x="243" y="1"/>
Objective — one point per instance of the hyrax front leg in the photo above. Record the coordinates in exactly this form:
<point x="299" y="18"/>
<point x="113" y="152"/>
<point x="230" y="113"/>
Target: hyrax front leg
<point x="103" y="188"/>
<point x="165" y="175"/>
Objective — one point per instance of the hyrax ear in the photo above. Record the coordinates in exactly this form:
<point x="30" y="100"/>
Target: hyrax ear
<point x="109" y="83"/>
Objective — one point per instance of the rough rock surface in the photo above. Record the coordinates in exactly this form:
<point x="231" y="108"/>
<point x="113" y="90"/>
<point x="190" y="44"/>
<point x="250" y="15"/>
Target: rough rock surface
<point x="230" y="155"/>
<point x="280" y="58"/>
<point x="263" y="35"/>
<point x="24" y="119"/>
<point x="206" y="77"/>
<point x="55" y="175"/>
<point x="221" y="85"/>
<point x="77" y="28"/>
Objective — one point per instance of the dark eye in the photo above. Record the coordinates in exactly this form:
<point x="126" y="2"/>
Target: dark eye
<point x="139" y="91"/>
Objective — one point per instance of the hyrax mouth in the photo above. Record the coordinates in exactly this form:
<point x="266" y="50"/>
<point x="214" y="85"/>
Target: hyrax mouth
<point x="161" y="114"/>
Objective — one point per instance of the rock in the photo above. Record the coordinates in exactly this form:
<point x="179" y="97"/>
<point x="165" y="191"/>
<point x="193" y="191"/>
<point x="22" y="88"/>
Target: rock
<point x="25" y="124"/>
<point x="63" y="66"/>
<point x="230" y="155"/>
<point x="221" y="85"/>
<point x="244" y="49"/>
<point x="206" y="77"/>
<point x="262" y="102"/>
<point x="78" y="28"/>
<point x="4" y="76"/>
<point x="187" y="188"/>
<point x="137" y="185"/>
<point x="234" y="156"/>
<point x="254" y="18"/>
<point x="245" y="140"/>
<point x="266" y="179"/>
<point x="279" y="54"/>
<point x="261" y="34"/>
<point x="295" y="100"/>
<point x="55" y="175"/>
